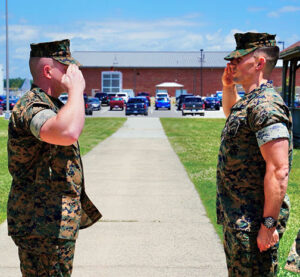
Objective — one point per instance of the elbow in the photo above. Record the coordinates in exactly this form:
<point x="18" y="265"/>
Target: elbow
<point x="71" y="136"/>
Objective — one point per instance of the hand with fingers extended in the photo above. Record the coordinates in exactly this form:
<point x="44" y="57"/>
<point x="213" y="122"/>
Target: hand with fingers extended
<point x="266" y="238"/>
<point x="73" y="80"/>
<point x="227" y="78"/>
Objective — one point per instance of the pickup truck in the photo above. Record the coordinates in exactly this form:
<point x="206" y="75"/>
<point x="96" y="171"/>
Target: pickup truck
<point x="193" y="105"/>
<point x="116" y="102"/>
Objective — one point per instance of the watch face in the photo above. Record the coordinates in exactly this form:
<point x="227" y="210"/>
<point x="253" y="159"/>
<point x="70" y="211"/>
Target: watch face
<point x="269" y="222"/>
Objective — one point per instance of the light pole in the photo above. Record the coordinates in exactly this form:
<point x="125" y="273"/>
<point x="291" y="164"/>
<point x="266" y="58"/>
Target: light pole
<point x="201" y="59"/>
<point x="7" y="67"/>
<point x="281" y="42"/>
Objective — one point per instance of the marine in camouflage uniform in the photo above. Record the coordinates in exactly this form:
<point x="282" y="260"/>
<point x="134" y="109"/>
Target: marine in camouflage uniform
<point x="293" y="260"/>
<point x="258" y="118"/>
<point x="47" y="203"/>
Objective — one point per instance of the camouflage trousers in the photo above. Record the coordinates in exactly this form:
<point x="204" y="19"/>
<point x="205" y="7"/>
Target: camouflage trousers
<point x="41" y="257"/>
<point x="293" y="260"/>
<point x="243" y="256"/>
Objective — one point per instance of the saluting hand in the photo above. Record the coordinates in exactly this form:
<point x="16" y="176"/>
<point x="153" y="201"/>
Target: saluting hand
<point x="227" y="79"/>
<point x="73" y="79"/>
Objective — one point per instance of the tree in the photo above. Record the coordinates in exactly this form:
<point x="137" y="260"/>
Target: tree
<point x="14" y="83"/>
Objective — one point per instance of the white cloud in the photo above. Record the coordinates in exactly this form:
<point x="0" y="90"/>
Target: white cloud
<point x="285" y="9"/>
<point x="23" y="32"/>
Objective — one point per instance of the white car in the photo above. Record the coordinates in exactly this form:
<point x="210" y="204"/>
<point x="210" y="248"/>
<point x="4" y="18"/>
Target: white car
<point x="123" y="95"/>
<point x="162" y="95"/>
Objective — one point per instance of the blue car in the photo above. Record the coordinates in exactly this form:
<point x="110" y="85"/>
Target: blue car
<point x="162" y="103"/>
<point x="212" y="103"/>
<point x="12" y="102"/>
<point x="136" y="105"/>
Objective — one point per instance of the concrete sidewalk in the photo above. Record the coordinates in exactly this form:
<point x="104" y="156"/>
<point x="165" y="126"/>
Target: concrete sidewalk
<point x="153" y="222"/>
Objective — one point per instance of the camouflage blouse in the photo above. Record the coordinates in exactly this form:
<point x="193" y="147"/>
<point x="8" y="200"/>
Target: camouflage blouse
<point x="47" y="196"/>
<point x="241" y="167"/>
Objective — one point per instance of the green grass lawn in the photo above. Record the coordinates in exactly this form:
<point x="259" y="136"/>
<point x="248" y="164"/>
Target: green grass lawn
<point x="95" y="130"/>
<point x="196" y="142"/>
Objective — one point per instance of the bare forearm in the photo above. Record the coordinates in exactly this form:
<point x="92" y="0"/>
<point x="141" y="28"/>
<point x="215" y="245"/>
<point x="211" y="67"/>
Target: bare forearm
<point x="70" y="119"/>
<point x="275" y="185"/>
<point x="229" y="98"/>
<point x="65" y="128"/>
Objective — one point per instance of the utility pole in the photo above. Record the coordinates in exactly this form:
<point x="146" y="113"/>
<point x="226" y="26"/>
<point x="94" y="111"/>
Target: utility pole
<point x="7" y="67"/>
<point x="201" y="59"/>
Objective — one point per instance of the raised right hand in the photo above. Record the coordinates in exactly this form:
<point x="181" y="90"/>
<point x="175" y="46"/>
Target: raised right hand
<point x="73" y="80"/>
<point x="227" y="78"/>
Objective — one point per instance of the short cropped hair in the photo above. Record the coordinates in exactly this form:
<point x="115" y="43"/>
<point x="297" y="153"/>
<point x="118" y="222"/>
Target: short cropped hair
<point x="271" y="55"/>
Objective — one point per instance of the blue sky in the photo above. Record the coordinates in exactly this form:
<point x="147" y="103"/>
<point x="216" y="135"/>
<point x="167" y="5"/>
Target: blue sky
<point x="165" y="25"/>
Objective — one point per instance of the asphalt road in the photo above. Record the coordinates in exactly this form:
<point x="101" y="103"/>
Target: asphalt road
<point x="105" y="112"/>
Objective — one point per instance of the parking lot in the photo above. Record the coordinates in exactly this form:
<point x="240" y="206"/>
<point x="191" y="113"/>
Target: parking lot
<point x="105" y="112"/>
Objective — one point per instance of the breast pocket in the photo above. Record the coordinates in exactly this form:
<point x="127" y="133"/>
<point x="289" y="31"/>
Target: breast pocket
<point x="231" y="128"/>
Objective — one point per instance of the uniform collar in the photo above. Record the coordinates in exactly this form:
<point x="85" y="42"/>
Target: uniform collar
<point x="252" y="94"/>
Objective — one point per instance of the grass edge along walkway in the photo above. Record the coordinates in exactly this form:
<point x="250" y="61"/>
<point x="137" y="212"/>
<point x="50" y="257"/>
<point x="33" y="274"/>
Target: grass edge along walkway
<point x="95" y="130"/>
<point x="196" y="142"/>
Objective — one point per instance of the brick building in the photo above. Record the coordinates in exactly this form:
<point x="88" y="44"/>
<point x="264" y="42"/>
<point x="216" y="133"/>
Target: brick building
<point x="143" y="71"/>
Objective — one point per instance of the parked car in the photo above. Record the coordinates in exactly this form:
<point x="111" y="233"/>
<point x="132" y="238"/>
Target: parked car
<point x="241" y="93"/>
<point x="96" y="103"/>
<point x="2" y="97"/>
<point x="180" y="99"/>
<point x="110" y="95"/>
<point x="88" y="106"/>
<point x="162" y="95"/>
<point x="137" y="105"/>
<point x="212" y="103"/>
<point x="12" y="102"/>
<point x="116" y="103"/>
<point x="163" y="103"/>
<point x="103" y="97"/>
<point x="219" y="95"/>
<point x="193" y="105"/>
<point x="297" y="104"/>
<point x="123" y="95"/>
<point x="147" y="95"/>
<point x="63" y="98"/>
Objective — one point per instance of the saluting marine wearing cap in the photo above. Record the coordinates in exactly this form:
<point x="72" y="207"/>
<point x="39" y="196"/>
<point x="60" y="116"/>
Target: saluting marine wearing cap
<point x="47" y="204"/>
<point x="252" y="207"/>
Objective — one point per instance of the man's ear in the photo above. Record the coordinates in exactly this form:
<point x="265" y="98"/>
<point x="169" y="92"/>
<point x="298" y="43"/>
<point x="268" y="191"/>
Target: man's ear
<point x="261" y="63"/>
<point x="47" y="71"/>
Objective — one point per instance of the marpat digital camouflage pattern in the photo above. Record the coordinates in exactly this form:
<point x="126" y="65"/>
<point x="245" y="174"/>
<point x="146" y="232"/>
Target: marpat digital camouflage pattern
<point x="58" y="50"/>
<point x="44" y="257"/>
<point x="293" y="260"/>
<point x="241" y="167"/>
<point x="244" y="258"/>
<point x="249" y="42"/>
<point x="47" y="196"/>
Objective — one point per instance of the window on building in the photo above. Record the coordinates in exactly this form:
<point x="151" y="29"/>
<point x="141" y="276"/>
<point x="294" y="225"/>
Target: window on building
<point x="111" y="81"/>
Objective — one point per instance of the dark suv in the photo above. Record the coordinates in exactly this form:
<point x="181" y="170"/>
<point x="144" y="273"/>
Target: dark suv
<point x="180" y="100"/>
<point x="88" y="107"/>
<point x="103" y="97"/>
<point x="147" y="95"/>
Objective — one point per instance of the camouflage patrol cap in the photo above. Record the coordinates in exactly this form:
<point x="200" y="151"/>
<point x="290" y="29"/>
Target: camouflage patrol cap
<point x="248" y="42"/>
<point x="58" y="50"/>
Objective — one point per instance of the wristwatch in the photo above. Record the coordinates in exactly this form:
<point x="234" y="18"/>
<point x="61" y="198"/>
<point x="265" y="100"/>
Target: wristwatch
<point x="269" y="222"/>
